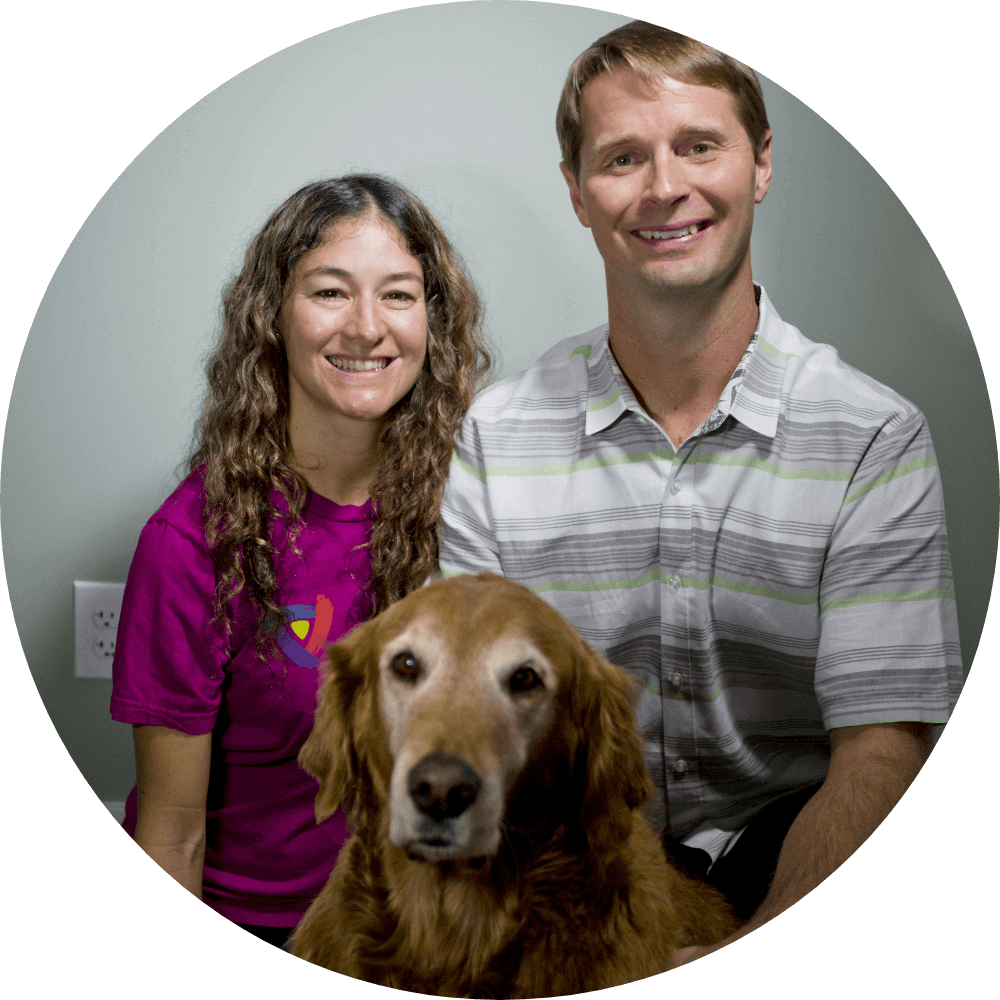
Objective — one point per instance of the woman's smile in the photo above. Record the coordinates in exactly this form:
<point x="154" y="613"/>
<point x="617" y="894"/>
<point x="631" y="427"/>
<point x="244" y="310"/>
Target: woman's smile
<point x="359" y="364"/>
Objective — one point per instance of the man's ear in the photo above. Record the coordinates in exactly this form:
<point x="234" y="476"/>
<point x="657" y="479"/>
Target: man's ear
<point x="575" y="195"/>
<point x="763" y="181"/>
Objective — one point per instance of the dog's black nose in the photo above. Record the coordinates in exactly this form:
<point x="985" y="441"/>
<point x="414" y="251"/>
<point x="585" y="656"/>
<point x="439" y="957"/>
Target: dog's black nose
<point x="443" y="786"/>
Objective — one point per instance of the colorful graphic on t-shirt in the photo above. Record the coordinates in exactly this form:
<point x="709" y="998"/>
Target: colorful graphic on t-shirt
<point x="311" y="624"/>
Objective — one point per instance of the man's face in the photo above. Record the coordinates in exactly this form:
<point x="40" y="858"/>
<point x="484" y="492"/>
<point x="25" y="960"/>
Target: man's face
<point x="668" y="183"/>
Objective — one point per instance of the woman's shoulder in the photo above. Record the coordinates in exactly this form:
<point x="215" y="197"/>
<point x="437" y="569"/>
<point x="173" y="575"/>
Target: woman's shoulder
<point x="172" y="556"/>
<point x="184" y="509"/>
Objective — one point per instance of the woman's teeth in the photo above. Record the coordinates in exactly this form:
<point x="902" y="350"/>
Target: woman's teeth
<point x="668" y="234"/>
<point x="358" y="364"/>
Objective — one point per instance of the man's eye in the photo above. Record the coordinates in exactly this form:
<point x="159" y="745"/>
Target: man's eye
<point x="623" y="160"/>
<point x="700" y="147"/>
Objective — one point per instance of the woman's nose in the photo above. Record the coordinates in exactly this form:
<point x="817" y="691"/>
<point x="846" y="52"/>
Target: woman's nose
<point x="363" y="323"/>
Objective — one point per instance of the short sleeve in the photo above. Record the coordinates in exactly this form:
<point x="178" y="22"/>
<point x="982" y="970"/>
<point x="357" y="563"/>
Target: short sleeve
<point x="469" y="544"/>
<point x="169" y="656"/>
<point x="889" y="648"/>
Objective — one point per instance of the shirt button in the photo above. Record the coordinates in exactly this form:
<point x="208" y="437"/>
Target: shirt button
<point x="680" y="768"/>
<point x="676" y="485"/>
<point x="675" y="582"/>
<point x="675" y="679"/>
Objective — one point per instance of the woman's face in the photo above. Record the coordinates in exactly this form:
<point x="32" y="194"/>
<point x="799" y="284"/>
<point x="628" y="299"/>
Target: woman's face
<point x="354" y="325"/>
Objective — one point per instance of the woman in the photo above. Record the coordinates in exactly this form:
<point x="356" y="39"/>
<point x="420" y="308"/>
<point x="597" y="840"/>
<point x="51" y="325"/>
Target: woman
<point x="350" y="350"/>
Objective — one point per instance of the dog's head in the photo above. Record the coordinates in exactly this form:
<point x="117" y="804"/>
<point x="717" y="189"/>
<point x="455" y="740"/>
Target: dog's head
<point x="469" y="706"/>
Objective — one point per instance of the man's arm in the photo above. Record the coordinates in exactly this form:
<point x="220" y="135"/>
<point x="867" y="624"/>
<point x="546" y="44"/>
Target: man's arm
<point x="870" y="768"/>
<point x="468" y="538"/>
<point x="887" y="608"/>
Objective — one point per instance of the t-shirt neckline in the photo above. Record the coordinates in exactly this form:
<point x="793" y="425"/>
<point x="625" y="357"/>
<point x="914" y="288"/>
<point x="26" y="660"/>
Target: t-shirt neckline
<point x="318" y="505"/>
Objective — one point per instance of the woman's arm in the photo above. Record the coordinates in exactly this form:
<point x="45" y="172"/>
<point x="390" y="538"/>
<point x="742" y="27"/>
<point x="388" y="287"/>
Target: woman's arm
<point x="171" y="770"/>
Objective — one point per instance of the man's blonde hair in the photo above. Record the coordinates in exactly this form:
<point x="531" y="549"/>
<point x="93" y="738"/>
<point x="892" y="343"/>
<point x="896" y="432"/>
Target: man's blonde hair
<point x="651" y="51"/>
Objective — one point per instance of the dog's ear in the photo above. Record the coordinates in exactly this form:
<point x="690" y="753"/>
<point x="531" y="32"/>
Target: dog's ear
<point x="610" y="761"/>
<point x="329" y="754"/>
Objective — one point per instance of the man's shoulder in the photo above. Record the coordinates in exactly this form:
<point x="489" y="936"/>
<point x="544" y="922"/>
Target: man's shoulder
<point x="815" y="378"/>
<point x="558" y="382"/>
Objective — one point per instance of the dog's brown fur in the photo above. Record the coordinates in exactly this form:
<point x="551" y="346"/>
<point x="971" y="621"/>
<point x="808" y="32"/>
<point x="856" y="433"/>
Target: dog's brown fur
<point x="577" y="895"/>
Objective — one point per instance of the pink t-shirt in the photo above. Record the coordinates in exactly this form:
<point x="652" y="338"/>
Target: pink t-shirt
<point x="265" y="858"/>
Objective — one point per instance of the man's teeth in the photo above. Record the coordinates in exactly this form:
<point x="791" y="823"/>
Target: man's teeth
<point x="358" y="364"/>
<point x="668" y="234"/>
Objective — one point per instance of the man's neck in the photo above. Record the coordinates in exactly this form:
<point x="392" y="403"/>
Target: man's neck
<point x="678" y="352"/>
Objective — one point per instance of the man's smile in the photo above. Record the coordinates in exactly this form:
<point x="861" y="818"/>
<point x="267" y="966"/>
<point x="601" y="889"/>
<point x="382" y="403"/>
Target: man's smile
<point x="688" y="229"/>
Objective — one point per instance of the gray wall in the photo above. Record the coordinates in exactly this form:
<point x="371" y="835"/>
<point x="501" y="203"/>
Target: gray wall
<point x="109" y="381"/>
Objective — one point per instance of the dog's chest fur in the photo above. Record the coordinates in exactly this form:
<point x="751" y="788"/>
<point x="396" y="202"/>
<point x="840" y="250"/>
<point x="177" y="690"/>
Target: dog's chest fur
<point x="548" y="923"/>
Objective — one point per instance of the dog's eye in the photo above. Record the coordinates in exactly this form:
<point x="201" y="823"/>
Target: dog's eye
<point x="405" y="665"/>
<point x="523" y="679"/>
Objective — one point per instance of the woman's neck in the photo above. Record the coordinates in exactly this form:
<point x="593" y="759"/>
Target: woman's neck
<point x="336" y="458"/>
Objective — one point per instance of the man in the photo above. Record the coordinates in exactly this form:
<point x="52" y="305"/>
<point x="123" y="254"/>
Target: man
<point x="752" y="528"/>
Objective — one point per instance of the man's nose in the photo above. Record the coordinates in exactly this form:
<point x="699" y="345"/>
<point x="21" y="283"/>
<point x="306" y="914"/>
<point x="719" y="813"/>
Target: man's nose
<point x="667" y="178"/>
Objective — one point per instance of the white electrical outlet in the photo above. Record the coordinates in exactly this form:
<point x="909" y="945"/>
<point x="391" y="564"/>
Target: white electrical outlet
<point x="96" y="607"/>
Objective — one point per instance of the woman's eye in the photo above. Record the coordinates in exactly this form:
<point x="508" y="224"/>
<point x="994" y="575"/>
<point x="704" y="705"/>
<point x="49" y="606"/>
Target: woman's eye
<point x="329" y="293"/>
<point x="400" y="296"/>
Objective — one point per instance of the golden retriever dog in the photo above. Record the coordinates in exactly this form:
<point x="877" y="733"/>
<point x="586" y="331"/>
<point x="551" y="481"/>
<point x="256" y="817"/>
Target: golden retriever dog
<point x="489" y="763"/>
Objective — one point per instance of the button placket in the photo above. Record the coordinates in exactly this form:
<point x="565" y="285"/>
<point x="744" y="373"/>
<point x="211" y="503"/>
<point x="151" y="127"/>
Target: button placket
<point x="677" y="562"/>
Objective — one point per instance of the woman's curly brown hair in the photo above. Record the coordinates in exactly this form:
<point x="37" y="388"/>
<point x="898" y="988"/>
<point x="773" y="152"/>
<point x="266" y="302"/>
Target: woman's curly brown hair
<point x="242" y="439"/>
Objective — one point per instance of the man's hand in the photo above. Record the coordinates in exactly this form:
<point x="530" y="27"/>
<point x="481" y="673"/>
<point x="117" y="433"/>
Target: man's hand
<point x="684" y="955"/>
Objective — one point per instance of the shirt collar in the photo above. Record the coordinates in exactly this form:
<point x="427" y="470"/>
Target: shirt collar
<point x="752" y="395"/>
<point x="608" y="393"/>
<point x="756" y="400"/>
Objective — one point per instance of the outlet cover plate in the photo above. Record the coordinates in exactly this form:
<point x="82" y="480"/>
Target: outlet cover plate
<point x="96" y="607"/>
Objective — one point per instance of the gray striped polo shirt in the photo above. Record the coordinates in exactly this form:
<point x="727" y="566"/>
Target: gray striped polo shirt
<point x="783" y="573"/>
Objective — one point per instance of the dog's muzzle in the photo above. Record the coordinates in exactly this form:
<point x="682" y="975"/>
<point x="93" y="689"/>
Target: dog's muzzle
<point x="444" y="812"/>
<point x="442" y="787"/>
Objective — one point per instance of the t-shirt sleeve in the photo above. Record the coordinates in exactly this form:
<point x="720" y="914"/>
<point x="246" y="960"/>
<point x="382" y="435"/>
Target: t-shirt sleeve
<point x="889" y="648"/>
<point x="169" y="655"/>
<point x="469" y="543"/>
